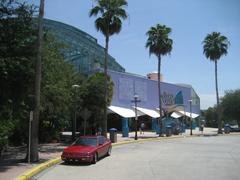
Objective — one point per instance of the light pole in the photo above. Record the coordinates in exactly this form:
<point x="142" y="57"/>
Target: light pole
<point x="75" y="86"/>
<point x="190" y="102"/>
<point x="136" y="100"/>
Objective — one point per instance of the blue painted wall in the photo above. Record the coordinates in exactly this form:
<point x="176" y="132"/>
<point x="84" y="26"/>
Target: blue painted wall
<point x="126" y="85"/>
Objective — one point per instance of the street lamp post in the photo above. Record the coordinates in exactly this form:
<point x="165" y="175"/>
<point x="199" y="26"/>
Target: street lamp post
<point x="190" y="102"/>
<point x="136" y="100"/>
<point x="75" y="86"/>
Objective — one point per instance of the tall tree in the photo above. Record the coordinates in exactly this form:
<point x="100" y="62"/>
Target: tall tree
<point x="159" y="44"/>
<point x="92" y="95"/>
<point x="35" y="124"/>
<point x="230" y="105"/>
<point x="58" y="76"/>
<point x="214" y="46"/>
<point x="109" y="22"/>
<point x="17" y="41"/>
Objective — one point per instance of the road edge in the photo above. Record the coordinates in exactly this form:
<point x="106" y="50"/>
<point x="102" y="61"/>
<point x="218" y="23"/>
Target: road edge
<point x="30" y="173"/>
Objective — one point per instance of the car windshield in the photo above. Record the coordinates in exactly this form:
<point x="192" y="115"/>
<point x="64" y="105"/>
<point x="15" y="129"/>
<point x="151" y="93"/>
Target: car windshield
<point x="86" y="142"/>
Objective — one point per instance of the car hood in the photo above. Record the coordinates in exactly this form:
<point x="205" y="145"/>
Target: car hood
<point x="80" y="149"/>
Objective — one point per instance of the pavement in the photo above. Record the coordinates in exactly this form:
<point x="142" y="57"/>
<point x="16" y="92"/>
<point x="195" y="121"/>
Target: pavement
<point x="12" y="165"/>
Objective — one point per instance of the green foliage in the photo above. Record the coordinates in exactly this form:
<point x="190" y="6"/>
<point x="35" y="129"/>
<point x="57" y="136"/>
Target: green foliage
<point x="17" y="70"/>
<point x="112" y="13"/>
<point x="5" y="128"/>
<point x="210" y="116"/>
<point x="158" y="40"/>
<point x="58" y="77"/>
<point x="230" y="105"/>
<point x="92" y="95"/>
<point x="215" y="45"/>
<point x="229" y="109"/>
<point x="93" y="92"/>
<point x="17" y="40"/>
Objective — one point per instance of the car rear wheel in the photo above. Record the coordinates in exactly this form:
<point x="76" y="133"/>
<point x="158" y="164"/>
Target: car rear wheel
<point x="109" y="151"/>
<point x="95" y="158"/>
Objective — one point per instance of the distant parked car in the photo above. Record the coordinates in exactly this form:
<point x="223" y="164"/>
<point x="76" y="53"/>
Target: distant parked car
<point x="234" y="128"/>
<point x="87" y="149"/>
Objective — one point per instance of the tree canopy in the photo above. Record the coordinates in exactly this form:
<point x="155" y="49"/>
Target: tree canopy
<point x="230" y="105"/>
<point x="17" y="61"/>
<point x="158" y="40"/>
<point x="215" y="45"/>
<point x="17" y="41"/>
<point x="112" y="13"/>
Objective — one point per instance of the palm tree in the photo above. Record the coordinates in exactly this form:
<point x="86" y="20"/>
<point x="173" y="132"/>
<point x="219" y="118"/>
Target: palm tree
<point x="109" y="23"/>
<point x="216" y="45"/>
<point x="159" y="44"/>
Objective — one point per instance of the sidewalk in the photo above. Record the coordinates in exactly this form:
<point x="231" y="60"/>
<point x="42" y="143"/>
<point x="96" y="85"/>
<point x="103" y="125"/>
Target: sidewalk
<point x="12" y="165"/>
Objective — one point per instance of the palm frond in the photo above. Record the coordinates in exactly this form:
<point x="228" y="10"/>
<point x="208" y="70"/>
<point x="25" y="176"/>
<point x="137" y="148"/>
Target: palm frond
<point x="94" y="11"/>
<point x="110" y="12"/>
<point x="215" y="45"/>
<point x="158" y="40"/>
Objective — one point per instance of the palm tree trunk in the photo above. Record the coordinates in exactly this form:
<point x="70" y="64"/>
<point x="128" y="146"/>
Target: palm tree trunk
<point x="35" y="124"/>
<point x="104" y="124"/>
<point x="159" y="95"/>
<point x="217" y="96"/>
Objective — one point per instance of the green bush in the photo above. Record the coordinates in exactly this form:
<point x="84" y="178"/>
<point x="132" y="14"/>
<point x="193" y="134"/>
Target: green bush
<point x="5" y="130"/>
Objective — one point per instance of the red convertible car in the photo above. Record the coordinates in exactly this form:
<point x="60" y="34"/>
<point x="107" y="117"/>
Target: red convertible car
<point x="87" y="149"/>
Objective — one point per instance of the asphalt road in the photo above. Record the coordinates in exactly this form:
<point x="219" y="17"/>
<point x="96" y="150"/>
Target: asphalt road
<point x="210" y="158"/>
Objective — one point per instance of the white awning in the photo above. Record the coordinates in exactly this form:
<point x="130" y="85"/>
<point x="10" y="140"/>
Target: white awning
<point x="124" y="112"/>
<point x="176" y="115"/>
<point x="188" y="114"/>
<point x="174" y="108"/>
<point x="149" y="112"/>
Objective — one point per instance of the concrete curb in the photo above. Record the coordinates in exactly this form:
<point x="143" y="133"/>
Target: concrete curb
<point x="29" y="174"/>
<point x="147" y="139"/>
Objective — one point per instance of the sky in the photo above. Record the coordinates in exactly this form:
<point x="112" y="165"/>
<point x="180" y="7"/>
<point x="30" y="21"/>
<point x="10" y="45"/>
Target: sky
<point x="190" y="21"/>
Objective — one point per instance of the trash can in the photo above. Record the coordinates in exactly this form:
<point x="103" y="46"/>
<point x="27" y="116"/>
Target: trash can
<point x="226" y="128"/>
<point x="168" y="130"/>
<point x="113" y="135"/>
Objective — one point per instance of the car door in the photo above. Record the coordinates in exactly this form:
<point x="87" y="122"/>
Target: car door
<point x="105" y="146"/>
<point x="101" y="146"/>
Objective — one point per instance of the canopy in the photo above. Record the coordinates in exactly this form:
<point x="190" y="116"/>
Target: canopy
<point x="128" y="113"/>
<point x="176" y="115"/>
<point x="174" y="108"/>
<point x="149" y="112"/>
<point x="124" y="112"/>
<point x="188" y="114"/>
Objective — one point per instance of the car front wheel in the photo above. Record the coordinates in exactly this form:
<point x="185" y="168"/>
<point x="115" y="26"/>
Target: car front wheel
<point x="95" y="158"/>
<point x="109" y="151"/>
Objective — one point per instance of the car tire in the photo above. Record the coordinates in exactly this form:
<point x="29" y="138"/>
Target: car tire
<point x="95" y="158"/>
<point x="109" y="151"/>
<point x="67" y="162"/>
